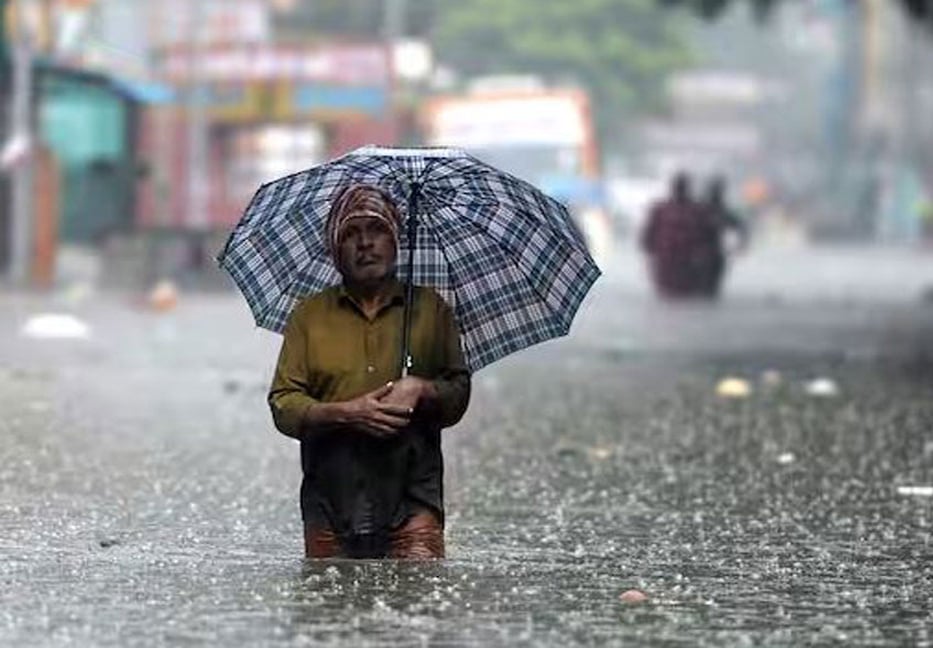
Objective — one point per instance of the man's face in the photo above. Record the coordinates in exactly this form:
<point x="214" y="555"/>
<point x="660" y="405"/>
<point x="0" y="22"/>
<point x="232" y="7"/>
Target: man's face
<point x="367" y="250"/>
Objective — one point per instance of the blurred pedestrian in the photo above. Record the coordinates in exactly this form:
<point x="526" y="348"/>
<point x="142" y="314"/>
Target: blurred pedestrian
<point x="719" y="222"/>
<point x="370" y="443"/>
<point x="676" y="240"/>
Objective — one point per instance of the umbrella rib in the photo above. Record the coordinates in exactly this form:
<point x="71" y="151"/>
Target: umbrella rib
<point x="519" y="261"/>
<point x="515" y="260"/>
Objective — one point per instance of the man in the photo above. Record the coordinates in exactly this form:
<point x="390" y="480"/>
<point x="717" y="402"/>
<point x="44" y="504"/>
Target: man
<point x="370" y="442"/>
<point x="673" y="238"/>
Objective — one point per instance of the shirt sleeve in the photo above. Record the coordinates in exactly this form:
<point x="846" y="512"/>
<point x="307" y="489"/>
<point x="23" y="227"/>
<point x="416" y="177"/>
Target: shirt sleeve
<point x="288" y="395"/>
<point x="453" y="380"/>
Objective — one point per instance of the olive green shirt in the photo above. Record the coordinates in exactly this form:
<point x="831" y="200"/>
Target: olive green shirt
<point x="354" y="483"/>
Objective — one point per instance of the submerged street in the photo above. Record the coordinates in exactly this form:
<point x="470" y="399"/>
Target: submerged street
<point x="145" y="497"/>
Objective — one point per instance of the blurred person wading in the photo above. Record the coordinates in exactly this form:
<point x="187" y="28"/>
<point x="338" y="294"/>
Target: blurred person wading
<point x="684" y="240"/>
<point x="370" y="442"/>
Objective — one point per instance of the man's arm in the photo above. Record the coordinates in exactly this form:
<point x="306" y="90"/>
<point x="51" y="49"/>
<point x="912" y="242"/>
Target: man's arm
<point x="452" y="397"/>
<point x="288" y="396"/>
<point x="366" y="413"/>
<point x="452" y="385"/>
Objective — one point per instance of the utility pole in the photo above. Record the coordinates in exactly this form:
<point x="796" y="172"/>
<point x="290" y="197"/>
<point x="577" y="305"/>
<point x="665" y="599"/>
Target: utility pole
<point x="197" y="119"/>
<point x="872" y="64"/>
<point x="21" y="128"/>
<point x="5" y="74"/>
<point x="393" y="26"/>
<point x="393" y="30"/>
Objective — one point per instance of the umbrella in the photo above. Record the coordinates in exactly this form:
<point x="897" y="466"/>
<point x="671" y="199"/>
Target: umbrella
<point x="505" y="257"/>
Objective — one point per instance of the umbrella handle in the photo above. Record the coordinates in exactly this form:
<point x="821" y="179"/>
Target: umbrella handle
<point x="412" y="228"/>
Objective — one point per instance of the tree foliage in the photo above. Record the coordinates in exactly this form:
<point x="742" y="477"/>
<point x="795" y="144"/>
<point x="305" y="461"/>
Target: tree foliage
<point x="918" y="10"/>
<point x="619" y="50"/>
<point x="711" y="9"/>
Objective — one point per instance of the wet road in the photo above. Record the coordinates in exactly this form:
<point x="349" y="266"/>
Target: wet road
<point x="145" y="498"/>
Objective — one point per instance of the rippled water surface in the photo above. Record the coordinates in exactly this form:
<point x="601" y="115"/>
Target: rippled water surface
<point x="146" y="500"/>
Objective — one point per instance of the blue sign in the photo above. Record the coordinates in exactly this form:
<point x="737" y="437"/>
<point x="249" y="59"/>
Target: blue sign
<point x="574" y="189"/>
<point x="317" y="97"/>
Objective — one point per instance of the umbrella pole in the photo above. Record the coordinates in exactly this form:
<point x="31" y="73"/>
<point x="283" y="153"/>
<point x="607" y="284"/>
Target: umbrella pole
<point x="412" y="228"/>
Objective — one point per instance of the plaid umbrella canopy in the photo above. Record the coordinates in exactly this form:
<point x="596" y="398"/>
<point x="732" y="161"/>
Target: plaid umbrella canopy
<point x="507" y="258"/>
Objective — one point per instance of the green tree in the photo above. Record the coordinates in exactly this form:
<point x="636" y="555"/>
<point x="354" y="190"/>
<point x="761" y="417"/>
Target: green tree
<point x="713" y="8"/>
<point x="619" y="50"/>
<point x="920" y="11"/>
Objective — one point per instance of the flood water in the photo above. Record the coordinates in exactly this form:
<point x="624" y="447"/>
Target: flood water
<point x="145" y="498"/>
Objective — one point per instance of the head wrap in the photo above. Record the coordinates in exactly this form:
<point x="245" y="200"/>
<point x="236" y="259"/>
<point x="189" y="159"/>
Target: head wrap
<point x="360" y="201"/>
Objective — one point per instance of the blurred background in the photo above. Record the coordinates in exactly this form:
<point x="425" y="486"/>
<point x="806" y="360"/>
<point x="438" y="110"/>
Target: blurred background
<point x="760" y="465"/>
<point x="134" y="132"/>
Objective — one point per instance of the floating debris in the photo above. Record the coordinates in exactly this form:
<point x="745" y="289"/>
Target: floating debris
<point x="633" y="597"/>
<point x="915" y="491"/>
<point x="599" y="453"/>
<point x="52" y="326"/>
<point x="822" y="388"/>
<point x="733" y="388"/>
<point x="163" y="297"/>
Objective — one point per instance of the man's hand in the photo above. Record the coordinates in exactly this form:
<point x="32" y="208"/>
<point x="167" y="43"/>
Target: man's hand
<point x="373" y="414"/>
<point x="410" y="392"/>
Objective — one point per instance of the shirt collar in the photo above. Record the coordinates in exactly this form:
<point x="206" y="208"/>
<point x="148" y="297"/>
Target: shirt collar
<point x="396" y="294"/>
